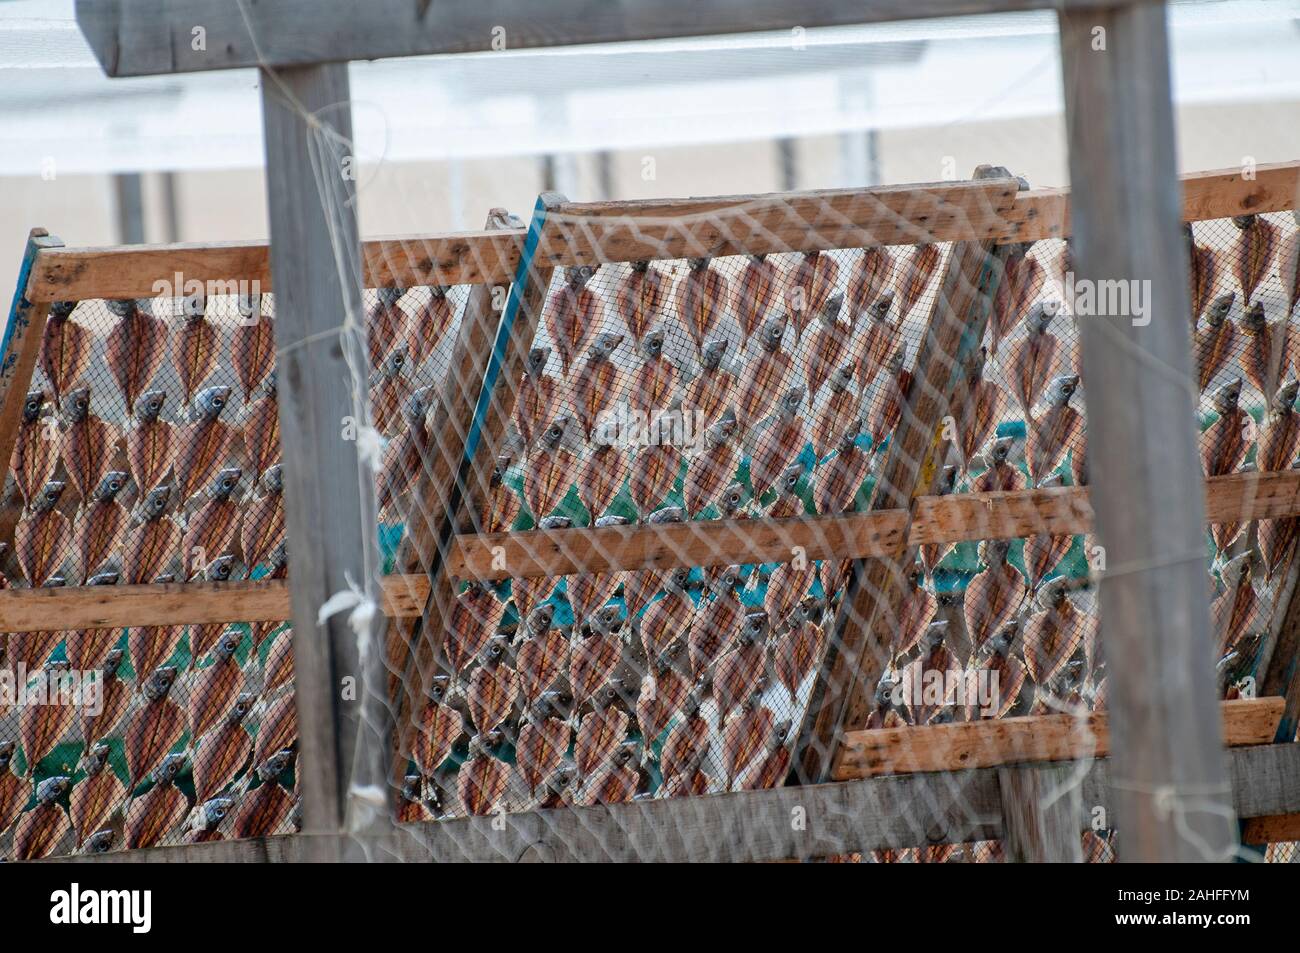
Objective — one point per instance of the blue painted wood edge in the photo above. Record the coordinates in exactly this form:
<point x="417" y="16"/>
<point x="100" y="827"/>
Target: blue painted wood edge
<point x="513" y="303"/>
<point x="20" y="306"/>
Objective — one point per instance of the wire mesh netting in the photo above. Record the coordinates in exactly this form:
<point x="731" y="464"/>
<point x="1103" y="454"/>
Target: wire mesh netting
<point x="669" y="393"/>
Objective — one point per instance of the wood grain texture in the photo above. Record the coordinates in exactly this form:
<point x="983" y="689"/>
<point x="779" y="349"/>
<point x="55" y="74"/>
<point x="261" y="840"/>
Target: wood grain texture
<point x="981" y="744"/>
<point x="190" y="603"/>
<point x="491" y="256"/>
<point x="1148" y="498"/>
<point x="151" y="37"/>
<point x="1041" y="807"/>
<point x="329" y="491"/>
<point x="749" y="826"/>
<point x="710" y="543"/>
<point x="1273" y="829"/>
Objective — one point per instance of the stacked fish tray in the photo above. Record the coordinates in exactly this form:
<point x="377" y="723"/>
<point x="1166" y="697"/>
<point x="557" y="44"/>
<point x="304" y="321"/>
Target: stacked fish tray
<point x="674" y="499"/>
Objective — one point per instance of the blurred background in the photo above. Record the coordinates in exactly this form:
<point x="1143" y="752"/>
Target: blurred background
<point x="441" y="140"/>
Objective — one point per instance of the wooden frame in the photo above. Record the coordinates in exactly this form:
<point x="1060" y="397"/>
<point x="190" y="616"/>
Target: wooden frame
<point x="1123" y="97"/>
<point x="754" y="826"/>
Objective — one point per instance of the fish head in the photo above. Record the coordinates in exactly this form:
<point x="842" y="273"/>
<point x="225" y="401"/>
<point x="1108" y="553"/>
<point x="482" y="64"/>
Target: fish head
<point x="242" y="706"/>
<point x="499" y="470"/>
<point x="754" y="628"/>
<point x="440" y="688"/>
<point x="108" y="578"/>
<point x="49" y="496"/>
<point x="55" y="582"/>
<point x="897" y="360"/>
<point x="723" y="430"/>
<point x="757" y="259"/>
<point x="194" y="306"/>
<point x="1002" y="449"/>
<point x="915" y="576"/>
<point x="121" y="307"/>
<point x="698" y="264"/>
<point x="417" y="406"/>
<point x="111" y="663"/>
<point x="111" y="485"/>
<point x="555" y="522"/>
<point x="628" y="752"/>
<point x="947" y="480"/>
<point x="32" y="405"/>
<point x="226" y="482"/>
<point x="554" y="434"/>
<point x="782" y="732"/>
<point x="1041" y="315"/>
<point x="100" y="841"/>
<point x="1054" y="593"/>
<point x="250" y="305"/>
<point x="641" y="266"/>
<point x="1051" y="481"/>
<point x="160" y="683"/>
<point x="7" y="754"/>
<point x="609" y="694"/>
<point x="220" y="569"/>
<point x="1284" y="399"/>
<point x="605" y="345"/>
<point x="77" y="404"/>
<point x="411" y="785"/>
<point x="210" y="402"/>
<point x="934" y="635"/>
<point x="612" y="519"/>
<point x="993" y="552"/>
<point x="155" y="502"/>
<point x="396" y="360"/>
<point x="1253" y="318"/>
<point x="1236" y="570"/>
<point x="789" y="480"/>
<point x="553" y="704"/>
<point x="270" y="383"/>
<point x="773" y="331"/>
<point x="885" y="692"/>
<point x="732" y="498"/>
<point x="150" y="405"/>
<point x="1218" y="309"/>
<point x="438" y="291"/>
<point x="62" y="309"/>
<point x="168" y="768"/>
<point x="974" y="364"/>
<point x="652" y="344"/>
<point x="227" y="644"/>
<point x="1227" y="395"/>
<point x="577" y="276"/>
<point x="541" y="618"/>
<point x="51" y="789"/>
<point x="1062" y="389"/>
<point x="831" y="309"/>
<point x="792" y="399"/>
<point x="388" y="297"/>
<point x="882" y="306"/>
<point x="273" y="478"/>
<point x="1244" y="222"/>
<point x="667" y="514"/>
<point x="497" y="651"/>
<point x="726" y="581"/>
<point x="842" y="379"/>
<point x="214" y="811"/>
<point x="677" y="580"/>
<point x="276" y="765"/>
<point x="1000" y="644"/>
<point x="712" y="353"/>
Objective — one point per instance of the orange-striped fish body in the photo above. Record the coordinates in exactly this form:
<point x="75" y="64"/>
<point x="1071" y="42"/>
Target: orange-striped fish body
<point x="261" y="431"/>
<point x="701" y="295"/>
<point x="263" y="527"/>
<point x="913" y="273"/>
<point x="195" y="352"/>
<point x="1225" y="443"/>
<point x="151" y="442"/>
<point x="137" y="347"/>
<point x="597" y="384"/>
<point x="871" y="275"/>
<point x="36" y="448"/>
<point x="779" y="442"/>
<point x="430" y="324"/>
<point x="712" y="393"/>
<point x="574" y="316"/>
<point x="766" y="377"/>
<point x="1252" y="253"/>
<point x="1265" y="352"/>
<point x="994" y="595"/>
<point x="100" y="524"/>
<point x="1034" y="359"/>
<point x="204" y="444"/>
<point x="153" y="542"/>
<point x="840" y="414"/>
<point x="210" y="531"/>
<point x="809" y="288"/>
<point x="1053" y="432"/>
<point x="43" y="537"/>
<point x="756" y="294"/>
<point x="1203" y="273"/>
<point x="711" y="467"/>
<point x="252" y="346"/>
<point x="89" y="444"/>
<point x="879" y="340"/>
<point x="640" y="299"/>
<point x="65" y="350"/>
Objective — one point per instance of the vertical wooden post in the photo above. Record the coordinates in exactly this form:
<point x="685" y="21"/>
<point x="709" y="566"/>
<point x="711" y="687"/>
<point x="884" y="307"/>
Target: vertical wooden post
<point x="1038" y="832"/>
<point x="322" y="370"/>
<point x="1169" y="774"/>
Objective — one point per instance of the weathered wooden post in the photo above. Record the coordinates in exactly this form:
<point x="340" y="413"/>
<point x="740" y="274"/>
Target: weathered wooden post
<point x="1171" y="792"/>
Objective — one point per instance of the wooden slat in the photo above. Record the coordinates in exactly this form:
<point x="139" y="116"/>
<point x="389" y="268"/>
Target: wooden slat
<point x="492" y="256"/>
<point x="328" y="491"/>
<point x="190" y="603"/>
<point x="748" y="826"/>
<point x="865" y="619"/>
<point x="20" y="345"/>
<point x="1146" y="491"/>
<point x="1273" y="829"/>
<point x="714" y="542"/>
<point x="1237" y="497"/>
<point x="134" y="271"/>
<point x="1041" y="807"/>
<point x="138" y="38"/>
<point x="981" y="744"/>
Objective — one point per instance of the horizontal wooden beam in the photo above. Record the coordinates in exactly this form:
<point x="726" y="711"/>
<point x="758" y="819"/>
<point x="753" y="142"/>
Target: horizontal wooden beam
<point x="1237" y="497"/>
<point x="190" y="603"/>
<point x="492" y="257"/>
<point x="982" y="744"/>
<point x="1273" y="829"/>
<point x="749" y="826"/>
<point x="130" y="38"/>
